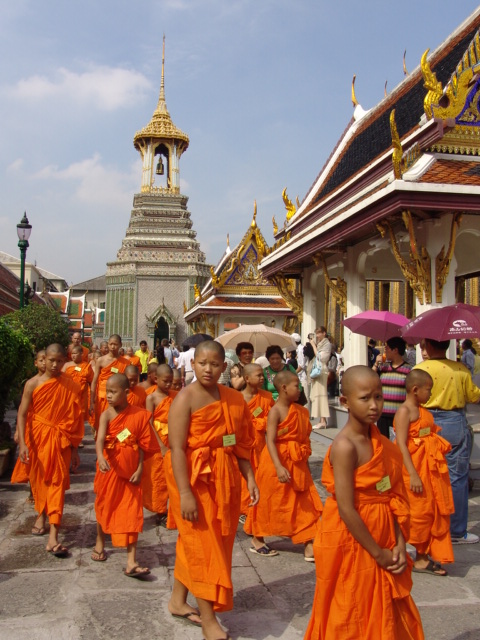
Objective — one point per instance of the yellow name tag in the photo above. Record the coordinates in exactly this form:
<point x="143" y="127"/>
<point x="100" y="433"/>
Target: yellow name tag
<point x="230" y="440"/>
<point x="281" y="432"/>
<point x="114" y="370"/>
<point x="164" y="429"/>
<point x="78" y="368"/>
<point x="257" y="412"/>
<point x="123" y="435"/>
<point x="384" y="484"/>
<point x="424" y="432"/>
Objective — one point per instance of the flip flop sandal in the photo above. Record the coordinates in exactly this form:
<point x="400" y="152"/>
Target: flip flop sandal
<point x="432" y="568"/>
<point x="58" y="551"/>
<point x="38" y="531"/>
<point x="187" y="617"/>
<point x="264" y="551"/>
<point x="98" y="556"/>
<point x="137" y="572"/>
<point x="309" y="558"/>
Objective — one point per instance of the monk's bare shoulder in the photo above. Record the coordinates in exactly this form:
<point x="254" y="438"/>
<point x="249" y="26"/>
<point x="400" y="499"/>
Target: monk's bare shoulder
<point x="343" y="449"/>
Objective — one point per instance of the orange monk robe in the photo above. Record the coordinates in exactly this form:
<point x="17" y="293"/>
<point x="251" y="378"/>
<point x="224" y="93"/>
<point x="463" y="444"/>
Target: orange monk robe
<point x="431" y="508"/>
<point x="151" y="389"/>
<point x="82" y="374"/>
<point x="355" y="599"/>
<point x="21" y="470"/>
<point x="117" y="366"/>
<point x="290" y="509"/>
<point x="137" y="396"/>
<point x="154" y="485"/>
<point x="56" y="425"/>
<point x="118" y="502"/>
<point x="135" y="361"/>
<point x="259" y="406"/>
<point x="204" y="548"/>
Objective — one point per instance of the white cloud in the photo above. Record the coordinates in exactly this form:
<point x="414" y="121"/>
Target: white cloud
<point x="96" y="183"/>
<point x="16" y="165"/>
<point x="106" y="88"/>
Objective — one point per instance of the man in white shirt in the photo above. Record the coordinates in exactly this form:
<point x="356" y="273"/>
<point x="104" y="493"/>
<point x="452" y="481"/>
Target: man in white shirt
<point x="184" y="363"/>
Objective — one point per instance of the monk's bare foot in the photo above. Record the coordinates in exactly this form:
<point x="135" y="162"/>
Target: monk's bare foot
<point x="186" y="612"/>
<point x="136" y="571"/>
<point x="213" y="631"/>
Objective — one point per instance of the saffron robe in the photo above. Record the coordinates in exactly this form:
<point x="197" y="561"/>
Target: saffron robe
<point x="259" y="406"/>
<point x="82" y="374"/>
<point x="118" y="502"/>
<point x="154" y="485"/>
<point x="355" y="599"/>
<point x="135" y="360"/>
<point x="290" y="509"/>
<point x="429" y="510"/>
<point x="116" y="366"/>
<point x="85" y="353"/>
<point x="204" y="548"/>
<point x="137" y="396"/>
<point x="21" y="470"/>
<point x="151" y="389"/>
<point x="54" y="425"/>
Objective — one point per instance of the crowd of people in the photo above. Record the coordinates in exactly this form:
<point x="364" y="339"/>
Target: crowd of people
<point x="206" y="442"/>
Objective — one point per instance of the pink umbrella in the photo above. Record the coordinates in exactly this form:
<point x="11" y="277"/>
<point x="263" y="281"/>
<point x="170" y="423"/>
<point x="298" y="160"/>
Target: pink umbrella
<point x="456" y="321"/>
<point x="379" y="325"/>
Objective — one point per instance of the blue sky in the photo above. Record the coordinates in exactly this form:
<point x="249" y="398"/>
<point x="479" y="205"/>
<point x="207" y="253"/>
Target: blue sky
<point x="262" y="88"/>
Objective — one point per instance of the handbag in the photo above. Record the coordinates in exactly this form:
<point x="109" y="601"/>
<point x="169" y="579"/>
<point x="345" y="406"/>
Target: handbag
<point x="316" y="371"/>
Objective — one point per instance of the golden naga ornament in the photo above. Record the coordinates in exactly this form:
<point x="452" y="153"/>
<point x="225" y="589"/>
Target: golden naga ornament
<point x="289" y="206"/>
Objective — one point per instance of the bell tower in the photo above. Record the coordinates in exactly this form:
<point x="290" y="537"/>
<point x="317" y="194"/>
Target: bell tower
<point x="160" y="260"/>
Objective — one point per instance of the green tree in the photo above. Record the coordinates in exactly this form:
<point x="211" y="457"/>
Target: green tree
<point x="40" y="324"/>
<point x="16" y="363"/>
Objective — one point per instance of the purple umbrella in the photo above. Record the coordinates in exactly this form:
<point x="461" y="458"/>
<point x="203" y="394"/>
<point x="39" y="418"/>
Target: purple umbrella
<point x="456" y="321"/>
<point x="379" y="325"/>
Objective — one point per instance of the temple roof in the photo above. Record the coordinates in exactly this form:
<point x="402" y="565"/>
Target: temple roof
<point x="413" y="150"/>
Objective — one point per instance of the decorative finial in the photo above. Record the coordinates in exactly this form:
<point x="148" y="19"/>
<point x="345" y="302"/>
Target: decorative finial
<point x="162" y="105"/>
<point x="289" y="206"/>
<point x="254" y="220"/>
<point x="275" y="226"/>
<point x="385" y="89"/>
<point x="354" y="98"/>
<point x="435" y="88"/>
<point x="228" y="241"/>
<point x="397" y="147"/>
<point x="405" y="72"/>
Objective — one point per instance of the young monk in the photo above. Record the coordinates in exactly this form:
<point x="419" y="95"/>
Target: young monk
<point x="106" y="366"/>
<point x="290" y="505"/>
<point x="55" y="429"/>
<point x="259" y="403"/>
<point x="82" y="373"/>
<point x="177" y="380"/>
<point x="21" y="471"/>
<point x="154" y="485"/>
<point x="136" y="393"/>
<point x="150" y="383"/>
<point x="124" y="437"/>
<point x="211" y="438"/>
<point x="135" y="360"/>
<point x="363" y="579"/>
<point x="103" y="347"/>
<point x="426" y="476"/>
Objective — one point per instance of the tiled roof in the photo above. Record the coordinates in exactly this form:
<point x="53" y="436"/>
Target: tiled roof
<point x="94" y="284"/>
<point x="453" y="172"/>
<point x="373" y="137"/>
<point x="9" y="300"/>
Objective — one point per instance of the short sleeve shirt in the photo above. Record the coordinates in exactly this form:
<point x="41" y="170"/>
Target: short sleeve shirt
<point x="452" y="387"/>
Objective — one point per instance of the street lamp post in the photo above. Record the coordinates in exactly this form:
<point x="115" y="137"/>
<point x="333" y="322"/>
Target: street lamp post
<point x="24" y="229"/>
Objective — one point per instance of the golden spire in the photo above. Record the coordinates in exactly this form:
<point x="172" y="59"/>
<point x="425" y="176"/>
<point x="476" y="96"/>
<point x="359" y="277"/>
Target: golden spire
<point x="354" y="98"/>
<point x="228" y="241"/>
<point x="161" y="125"/>
<point x="405" y="72"/>
<point x="254" y="220"/>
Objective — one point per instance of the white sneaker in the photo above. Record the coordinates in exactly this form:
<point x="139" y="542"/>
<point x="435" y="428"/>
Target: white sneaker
<point x="468" y="538"/>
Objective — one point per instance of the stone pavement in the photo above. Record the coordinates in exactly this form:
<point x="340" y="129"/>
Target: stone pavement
<point x="42" y="597"/>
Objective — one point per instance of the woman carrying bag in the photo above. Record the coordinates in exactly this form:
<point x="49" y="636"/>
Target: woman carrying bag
<point x="319" y="377"/>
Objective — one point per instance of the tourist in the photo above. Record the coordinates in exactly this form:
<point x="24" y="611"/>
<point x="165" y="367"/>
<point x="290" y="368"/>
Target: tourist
<point x="244" y="351"/>
<point x="144" y="355"/>
<point x="276" y="363"/>
<point x="322" y="349"/>
<point x="468" y="355"/>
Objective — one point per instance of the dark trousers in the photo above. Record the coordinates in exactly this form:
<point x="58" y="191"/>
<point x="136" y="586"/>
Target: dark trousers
<point x="384" y="423"/>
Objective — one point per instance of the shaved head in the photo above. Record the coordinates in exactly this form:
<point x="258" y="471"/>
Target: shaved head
<point x="164" y="369"/>
<point x="250" y="369"/>
<point x="55" y="348"/>
<point x="353" y="374"/>
<point x="119" y="380"/>
<point x="152" y="367"/>
<point x="210" y="345"/>
<point x="131" y="370"/>
<point x="284" y="377"/>
<point x="417" y="378"/>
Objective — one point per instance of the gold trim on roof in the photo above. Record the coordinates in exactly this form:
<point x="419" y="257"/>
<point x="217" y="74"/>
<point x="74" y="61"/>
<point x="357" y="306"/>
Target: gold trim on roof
<point x="354" y="97"/>
<point x="289" y="206"/>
